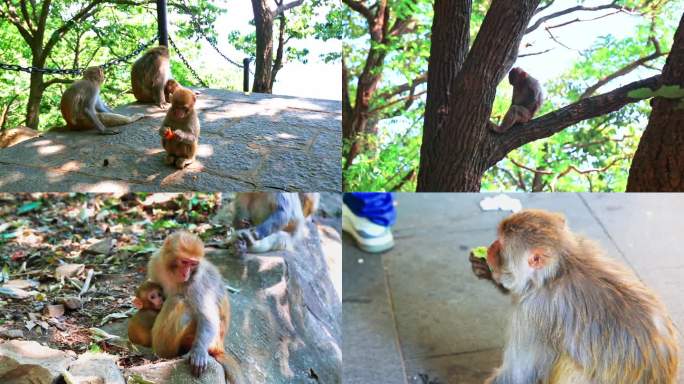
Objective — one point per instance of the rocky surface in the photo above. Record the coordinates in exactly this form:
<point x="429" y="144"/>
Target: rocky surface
<point x="247" y="142"/>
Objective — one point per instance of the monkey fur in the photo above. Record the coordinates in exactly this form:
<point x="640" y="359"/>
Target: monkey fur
<point x="196" y="315"/>
<point x="181" y="129"/>
<point x="269" y="221"/>
<point x="527" y="98"/>
<point x="151" y="77"/>
<point x="148" y="299"/>
<point x="579" y="317"/>
<point x="83" y="109"/>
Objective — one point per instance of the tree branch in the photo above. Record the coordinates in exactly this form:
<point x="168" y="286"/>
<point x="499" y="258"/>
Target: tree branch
<point x="284" y="7"/>
<point x="56" y="81"/>
<point x="421" y="79"/>
<point x="12" y="16"/>
<point x="623" y="71"/>
<point x="556" y="121"/>
<point x="24" y="12"/>
<point x="360" y="8"/>
<point x="541" y="20"/>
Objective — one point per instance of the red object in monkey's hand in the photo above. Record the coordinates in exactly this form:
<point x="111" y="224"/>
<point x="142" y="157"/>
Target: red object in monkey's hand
<point x="168" y="134"/>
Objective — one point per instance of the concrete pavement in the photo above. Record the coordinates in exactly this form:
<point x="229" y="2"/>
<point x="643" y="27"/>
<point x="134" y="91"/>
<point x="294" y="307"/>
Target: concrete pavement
<point x="417" y="314"/>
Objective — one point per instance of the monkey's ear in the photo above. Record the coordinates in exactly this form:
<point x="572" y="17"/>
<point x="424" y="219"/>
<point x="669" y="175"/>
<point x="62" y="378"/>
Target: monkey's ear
<point x="537" y="259"/>
<point x="561" y="218"/>
<point x="137" y="303"/>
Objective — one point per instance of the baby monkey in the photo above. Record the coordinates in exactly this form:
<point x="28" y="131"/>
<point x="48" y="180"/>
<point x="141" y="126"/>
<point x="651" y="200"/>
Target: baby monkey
<point x="148" y="299"/>
<point x="181" y="128"/>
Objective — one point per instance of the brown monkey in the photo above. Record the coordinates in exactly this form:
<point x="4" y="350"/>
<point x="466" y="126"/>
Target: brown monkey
<point x="196" y="315"/>
<point x="170" y="87"/>
<point x="579" y="317"/>
<point x="148" y="299"/>
<point x="269" y="221"/>
<point x="151" y="77"/>
<point x="83" y="109"/>
<point x="527" y="98"/>
<point x="181" y="128"/>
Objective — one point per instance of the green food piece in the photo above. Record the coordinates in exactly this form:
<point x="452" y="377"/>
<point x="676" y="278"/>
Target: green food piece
<point x="480" y="252"/>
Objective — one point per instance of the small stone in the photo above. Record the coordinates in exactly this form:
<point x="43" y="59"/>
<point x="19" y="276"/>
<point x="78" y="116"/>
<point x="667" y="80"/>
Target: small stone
<point x="20" y="284"/>
<point x="102" y="247"/>
<point x="56" y="310"/>
<point x="69" y="270"/>
<point x="72" y="303"/>
<point x="14" y="293"/>
<point x="11" y="333"/>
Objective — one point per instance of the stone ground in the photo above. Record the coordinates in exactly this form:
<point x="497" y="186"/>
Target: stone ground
<point x="419" y="310"/>
<point x="248" y="142"/>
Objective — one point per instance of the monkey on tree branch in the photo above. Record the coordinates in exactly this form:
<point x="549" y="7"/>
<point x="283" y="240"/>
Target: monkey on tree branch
<point x="527" y="98"/>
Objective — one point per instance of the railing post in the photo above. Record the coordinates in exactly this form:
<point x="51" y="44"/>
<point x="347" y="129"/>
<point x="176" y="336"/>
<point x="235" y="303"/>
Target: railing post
<point x="245" y="76"/>
<point x="161" y="19"/>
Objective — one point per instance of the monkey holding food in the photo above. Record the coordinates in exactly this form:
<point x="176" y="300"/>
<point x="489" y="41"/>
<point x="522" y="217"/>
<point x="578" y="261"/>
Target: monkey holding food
<point x="527" y="98"/>
<point x="195" y="317"/>
<point x="269" y="221"/>
<point x="151" y="77"/>
<point x="148" y="299"/>
<point x="181" y="129"/>
<point x="579" y="317"/>
<point x="83" y="109"/>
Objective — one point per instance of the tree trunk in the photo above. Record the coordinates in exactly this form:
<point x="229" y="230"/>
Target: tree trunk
<point x="457" y="143"/>
<point x="263" y="20"/>
<point x="37" y="87"/>
<point x="278" y="63"/>
<point x="658" y="165"/>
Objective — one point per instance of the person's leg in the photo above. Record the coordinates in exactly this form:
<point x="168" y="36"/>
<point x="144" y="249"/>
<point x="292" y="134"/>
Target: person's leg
<point x="367" y="217"/>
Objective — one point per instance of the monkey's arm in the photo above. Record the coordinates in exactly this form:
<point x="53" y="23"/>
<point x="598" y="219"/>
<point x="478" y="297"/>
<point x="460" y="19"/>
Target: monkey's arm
<point x="100" y="106"/>
<point x="185" y="137"/>
<point x="204" y="309"/>
<point x="283" y="213"/>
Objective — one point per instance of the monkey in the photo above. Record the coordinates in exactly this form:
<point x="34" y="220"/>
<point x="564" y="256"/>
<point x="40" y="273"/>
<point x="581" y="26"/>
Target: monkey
<point x="170" y="87"/>
<point x="579" y="317"/>
<point x="269" y="221"/>
<point x="151" y="77"/>
<point x="180" y="130"/>
<point x="195" y="317"/>
<point x="82" y="107"/>
<point x="527" y="98"/>
<point x="148" y="299"/>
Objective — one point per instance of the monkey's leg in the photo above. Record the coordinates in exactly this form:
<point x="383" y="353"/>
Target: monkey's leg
<point x="515" y="114"/>
<point x="114" y="119"/>
<point x="182" y="162"/>
<point x="273" y="242"/>
<point x="97" y="123"/>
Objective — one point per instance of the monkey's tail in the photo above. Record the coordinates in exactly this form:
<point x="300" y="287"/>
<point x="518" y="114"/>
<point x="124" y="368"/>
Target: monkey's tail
<point x="114" y="119"/>
<point x="231" y="368"/>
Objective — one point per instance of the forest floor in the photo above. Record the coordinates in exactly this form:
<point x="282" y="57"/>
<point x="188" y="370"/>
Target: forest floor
<point x="418" y="314"/>
<point x="247" y="142"/>
<point x="71" y="263"/>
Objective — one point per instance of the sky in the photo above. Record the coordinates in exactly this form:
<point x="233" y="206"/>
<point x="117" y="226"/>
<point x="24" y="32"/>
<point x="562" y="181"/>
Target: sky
<point x="315" y="79"/>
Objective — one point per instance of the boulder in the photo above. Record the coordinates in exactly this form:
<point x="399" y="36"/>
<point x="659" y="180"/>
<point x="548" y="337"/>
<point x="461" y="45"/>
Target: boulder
<point x="92" y="368"/>
<point x="29" y="362"/>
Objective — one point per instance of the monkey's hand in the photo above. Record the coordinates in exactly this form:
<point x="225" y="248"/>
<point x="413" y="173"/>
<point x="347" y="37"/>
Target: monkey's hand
<point x="480" y="268"/>
<point x="166" y="133"/>
<point x="198" y="358"/>
<point x="249" y="235"/>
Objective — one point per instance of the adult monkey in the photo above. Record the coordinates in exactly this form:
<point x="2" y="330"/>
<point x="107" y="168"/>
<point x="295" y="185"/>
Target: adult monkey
<point x="195" y="316"/>
<point x="579" y="318"/>
<point x="527" y="98"/>
<point x="83" y="109"/>
<point x="151" y="77"/>
<point x="269" y="221"/>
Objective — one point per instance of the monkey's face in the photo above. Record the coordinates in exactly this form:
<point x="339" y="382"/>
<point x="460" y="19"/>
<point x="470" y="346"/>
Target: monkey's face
<point x="171" y="86"/>
<point x="501" y="273"/>
<point x="155" y="299"/>
<point x="183" y="102"/>
<point x="184" y="268"/>
<point x="516" y="75"/>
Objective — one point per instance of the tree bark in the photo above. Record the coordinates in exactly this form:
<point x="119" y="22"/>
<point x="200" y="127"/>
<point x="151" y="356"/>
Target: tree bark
<point x="263" y="20"/>
<point x="278" y="63"/>
<point x="454" y="153"/>
<point x="658" y="165"/>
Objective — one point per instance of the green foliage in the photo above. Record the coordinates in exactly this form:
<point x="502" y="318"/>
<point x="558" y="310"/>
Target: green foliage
<point x="593" y="155"/>
<point x="113" y="30"/>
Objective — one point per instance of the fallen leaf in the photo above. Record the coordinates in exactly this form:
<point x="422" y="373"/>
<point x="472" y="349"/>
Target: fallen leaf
<point x="69" y="270"/>
<point x="14" y="293"/>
